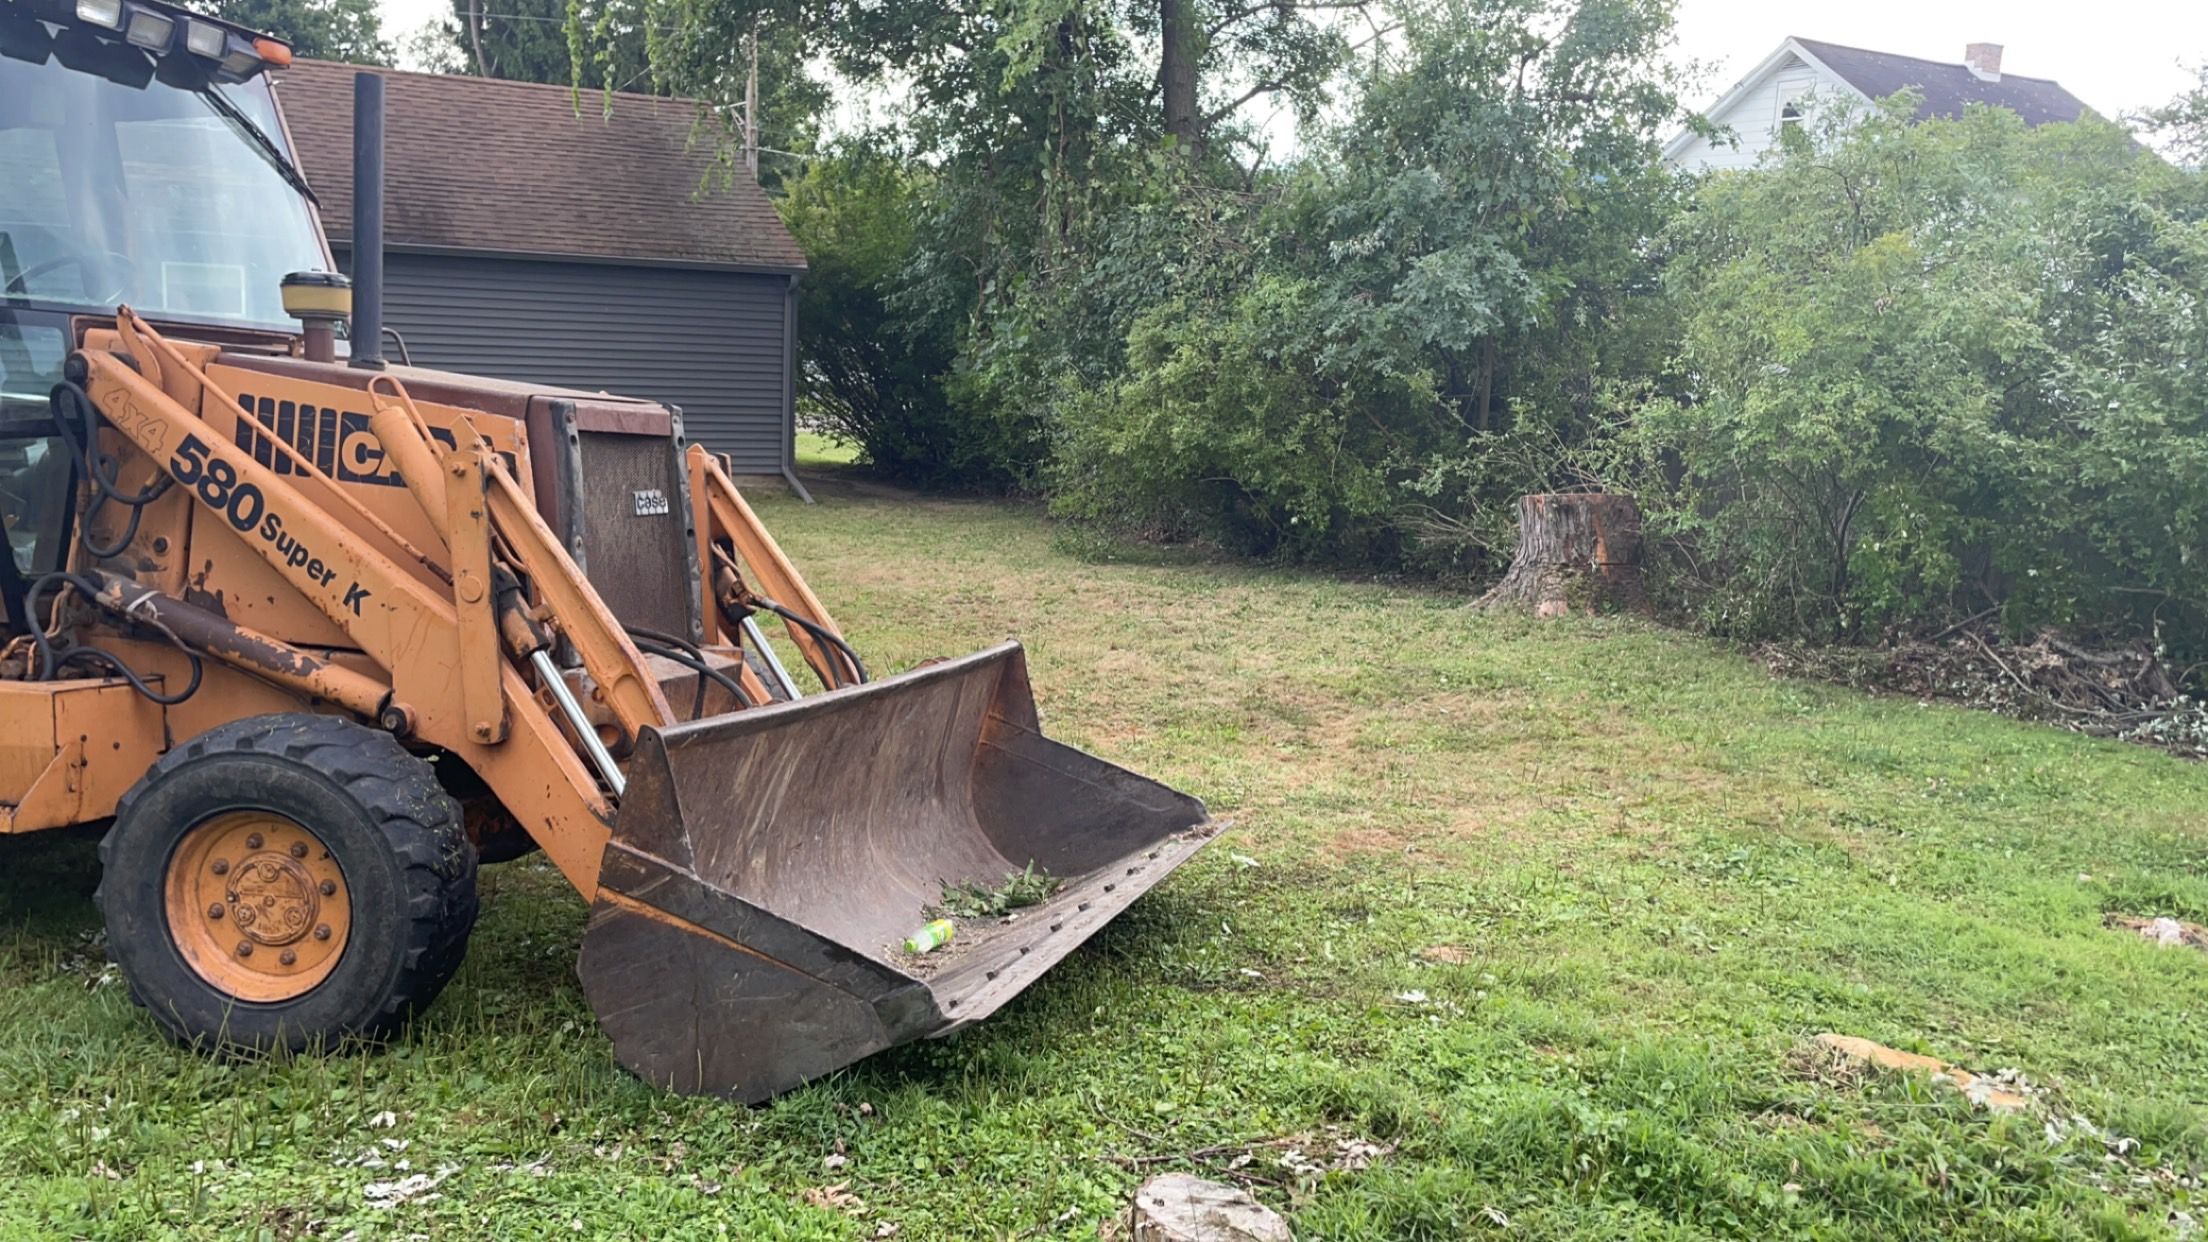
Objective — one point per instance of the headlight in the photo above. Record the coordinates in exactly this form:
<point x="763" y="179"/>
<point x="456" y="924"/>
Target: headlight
<point x="108" y="13"/>
<point x="148" y="29"/>
<point x="205" y="39"/>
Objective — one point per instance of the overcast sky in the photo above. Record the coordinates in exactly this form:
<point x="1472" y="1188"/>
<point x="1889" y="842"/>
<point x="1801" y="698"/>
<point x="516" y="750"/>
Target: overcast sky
<point x="2116" y="55"/>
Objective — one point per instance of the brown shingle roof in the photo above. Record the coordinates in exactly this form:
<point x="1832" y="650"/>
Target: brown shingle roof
<point x="485" y="165"/>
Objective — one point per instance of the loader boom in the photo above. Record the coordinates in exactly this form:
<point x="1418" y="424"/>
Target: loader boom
<point x="411" y="631"/>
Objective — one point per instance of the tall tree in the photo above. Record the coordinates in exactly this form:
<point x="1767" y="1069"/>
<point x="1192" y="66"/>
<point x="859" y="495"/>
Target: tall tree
<point x="1177" y="69"/>
<point x="595" y="46"/>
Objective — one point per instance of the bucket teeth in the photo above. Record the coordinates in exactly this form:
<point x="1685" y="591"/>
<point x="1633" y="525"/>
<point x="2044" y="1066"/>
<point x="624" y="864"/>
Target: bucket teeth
<point x="766" y="866"/>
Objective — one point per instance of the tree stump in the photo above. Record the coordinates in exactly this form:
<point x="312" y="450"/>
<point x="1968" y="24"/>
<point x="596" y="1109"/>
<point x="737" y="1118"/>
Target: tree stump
<point x="1577" y="552"/>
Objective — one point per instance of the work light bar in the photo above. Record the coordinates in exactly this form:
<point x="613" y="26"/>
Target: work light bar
<point x="237" y="52"/>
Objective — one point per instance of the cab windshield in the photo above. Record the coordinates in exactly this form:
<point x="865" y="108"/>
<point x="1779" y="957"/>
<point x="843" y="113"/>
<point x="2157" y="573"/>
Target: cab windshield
<point x="131" y="179"/>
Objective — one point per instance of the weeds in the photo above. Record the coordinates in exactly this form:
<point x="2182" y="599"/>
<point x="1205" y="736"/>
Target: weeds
<point x="973" y="900"/>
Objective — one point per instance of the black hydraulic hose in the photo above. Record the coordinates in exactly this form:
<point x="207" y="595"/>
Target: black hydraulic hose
<point x="735" y="617"/>
<point x="76" y="420"/>
<point x="821" y="634"/>
<point x="50" y="663"/>
<point x="693" y="659"/>
<point x="191" y="686"/>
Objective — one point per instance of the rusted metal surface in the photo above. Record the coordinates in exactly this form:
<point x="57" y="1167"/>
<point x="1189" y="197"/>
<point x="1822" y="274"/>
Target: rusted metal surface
<point x="253" y="652"/>
<point x="766" y="866"/>
<point x="635" y="524"/>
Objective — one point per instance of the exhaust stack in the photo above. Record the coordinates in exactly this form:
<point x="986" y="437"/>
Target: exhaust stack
<point x="367" y="340"/>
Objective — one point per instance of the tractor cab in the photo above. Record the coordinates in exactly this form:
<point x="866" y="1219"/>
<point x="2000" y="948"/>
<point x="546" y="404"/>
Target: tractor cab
<point x="142" y="162"/>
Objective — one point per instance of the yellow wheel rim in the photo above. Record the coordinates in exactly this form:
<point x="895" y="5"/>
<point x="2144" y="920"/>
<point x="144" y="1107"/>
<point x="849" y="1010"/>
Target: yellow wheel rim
<point x="257" y="906"/>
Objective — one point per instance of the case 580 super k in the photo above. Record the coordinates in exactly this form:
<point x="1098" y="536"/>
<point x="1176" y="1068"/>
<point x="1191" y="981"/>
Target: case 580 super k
<point x="317" y="635"/>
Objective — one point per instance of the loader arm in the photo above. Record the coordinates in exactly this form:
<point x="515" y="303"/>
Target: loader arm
<point x="431" y="645"/>
<point x="732" y="540"/>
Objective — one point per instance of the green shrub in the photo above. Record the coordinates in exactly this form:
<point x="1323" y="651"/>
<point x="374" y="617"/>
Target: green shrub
<point x="1932" y="368"/>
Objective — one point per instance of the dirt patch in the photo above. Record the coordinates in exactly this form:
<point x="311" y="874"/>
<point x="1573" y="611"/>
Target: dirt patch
<point x="1364" y="842"/>
<point x="2167" y="932"/>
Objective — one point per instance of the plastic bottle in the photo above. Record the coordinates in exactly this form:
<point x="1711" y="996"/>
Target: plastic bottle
<point x="934" y="936"/>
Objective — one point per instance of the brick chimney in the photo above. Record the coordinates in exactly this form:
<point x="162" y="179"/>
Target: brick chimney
<point x="1984" y="60"/>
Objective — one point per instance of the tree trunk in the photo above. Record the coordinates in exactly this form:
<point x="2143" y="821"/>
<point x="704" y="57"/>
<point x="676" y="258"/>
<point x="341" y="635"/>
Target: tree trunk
<point x="475" y="37"/>
<point x="1177" y="70"/>
<point x="1577" y="552"/>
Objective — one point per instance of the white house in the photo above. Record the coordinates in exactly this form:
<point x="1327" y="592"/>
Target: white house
<point x="1804" y="73"/>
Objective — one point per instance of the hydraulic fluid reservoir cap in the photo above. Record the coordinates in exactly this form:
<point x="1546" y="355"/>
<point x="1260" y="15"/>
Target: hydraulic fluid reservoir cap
<point x="934" y="936"/>
<point x="317" y="295"/>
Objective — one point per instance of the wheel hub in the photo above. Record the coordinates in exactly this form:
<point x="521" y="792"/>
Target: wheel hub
<point x="273" y="898"/>
<point x="257" y="905"/>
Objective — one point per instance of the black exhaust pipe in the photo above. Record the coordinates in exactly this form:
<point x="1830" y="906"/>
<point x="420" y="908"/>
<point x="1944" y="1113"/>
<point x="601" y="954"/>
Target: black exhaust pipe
<point x="367" y="342"/>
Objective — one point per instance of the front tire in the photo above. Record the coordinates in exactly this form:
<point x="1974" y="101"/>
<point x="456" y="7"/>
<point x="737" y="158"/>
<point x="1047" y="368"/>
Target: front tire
<point x="287" y="881"/>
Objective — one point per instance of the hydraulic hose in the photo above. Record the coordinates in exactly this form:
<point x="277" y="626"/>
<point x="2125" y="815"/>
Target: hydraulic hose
<point x="76" y="420"/>
<point x="51" y="662"/>
<point x="690" y="656"/>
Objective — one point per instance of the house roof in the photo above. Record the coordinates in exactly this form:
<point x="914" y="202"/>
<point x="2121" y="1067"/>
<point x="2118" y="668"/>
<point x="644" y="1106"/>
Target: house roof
<point x="480" y="165"/>
<point x="1947" y="88"/>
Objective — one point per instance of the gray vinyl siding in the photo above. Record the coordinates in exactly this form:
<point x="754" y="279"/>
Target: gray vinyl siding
<point x="710" y="342"/>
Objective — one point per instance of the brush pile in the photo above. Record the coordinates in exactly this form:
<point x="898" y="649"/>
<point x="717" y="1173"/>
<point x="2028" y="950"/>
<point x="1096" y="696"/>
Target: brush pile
<point x="2123" y="691"/>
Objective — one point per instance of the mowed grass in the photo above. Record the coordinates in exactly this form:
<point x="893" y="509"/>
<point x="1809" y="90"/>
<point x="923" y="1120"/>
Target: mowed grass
<point x="1544" y="911"/>
<point x="815" y="449"/>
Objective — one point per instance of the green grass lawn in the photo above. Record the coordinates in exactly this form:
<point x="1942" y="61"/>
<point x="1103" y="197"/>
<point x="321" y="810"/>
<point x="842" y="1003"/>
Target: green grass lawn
<point x="814" y="449"/>
<point x="1545" y="911"/>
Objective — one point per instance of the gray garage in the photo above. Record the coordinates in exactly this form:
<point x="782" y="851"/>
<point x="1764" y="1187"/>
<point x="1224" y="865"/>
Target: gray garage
<point x="611" y="253"/>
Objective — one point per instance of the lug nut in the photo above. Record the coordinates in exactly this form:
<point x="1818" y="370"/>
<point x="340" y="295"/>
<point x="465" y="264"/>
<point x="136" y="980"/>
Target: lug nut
<point x="298" y="849"/>
<point x="329" y="888"/>
<point x="253" y="841"/>
<point x="287" y="957"/>
<point x="221" y="867"/>
<point x="322" y="931"/>
<point x="245" y="948"/>
<point x="215" y="911"/>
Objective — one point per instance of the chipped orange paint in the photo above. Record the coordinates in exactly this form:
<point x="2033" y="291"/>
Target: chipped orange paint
<point x="257" y="906"/>
<point x="320" y="570"/>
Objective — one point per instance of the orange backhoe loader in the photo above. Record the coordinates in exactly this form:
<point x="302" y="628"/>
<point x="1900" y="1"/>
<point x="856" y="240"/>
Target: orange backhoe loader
<point x="316" y="633"/>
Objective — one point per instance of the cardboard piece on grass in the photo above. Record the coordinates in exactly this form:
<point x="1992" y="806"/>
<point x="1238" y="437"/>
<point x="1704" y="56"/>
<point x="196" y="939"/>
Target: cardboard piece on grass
<point x="1981" y="1091"/>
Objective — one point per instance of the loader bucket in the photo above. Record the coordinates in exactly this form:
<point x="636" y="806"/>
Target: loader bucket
<point x="767" y="865"/>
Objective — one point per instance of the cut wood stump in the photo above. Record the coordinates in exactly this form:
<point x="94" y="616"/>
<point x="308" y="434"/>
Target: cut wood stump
<point x="1578" y="552"/>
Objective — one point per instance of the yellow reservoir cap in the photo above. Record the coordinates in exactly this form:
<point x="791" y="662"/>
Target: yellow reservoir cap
<point x="320" y="295"/>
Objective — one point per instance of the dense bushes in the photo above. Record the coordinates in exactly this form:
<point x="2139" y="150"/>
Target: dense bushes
<point x="1905" y="374"/>
<point x="1936" y="368"/>
<point x="1428" y="317"/>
